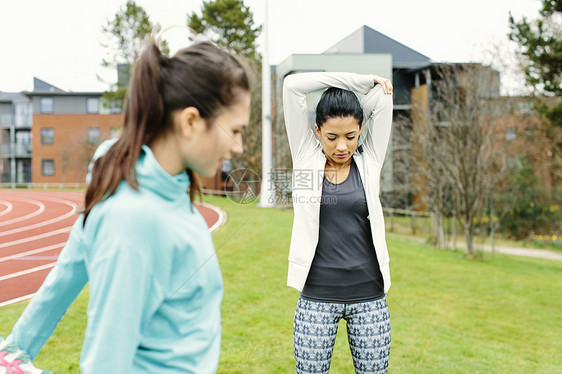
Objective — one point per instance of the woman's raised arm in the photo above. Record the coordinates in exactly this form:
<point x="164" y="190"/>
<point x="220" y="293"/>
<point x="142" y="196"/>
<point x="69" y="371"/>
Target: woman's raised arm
<point x="295" y="89"/>
<point x="377" y="107"/>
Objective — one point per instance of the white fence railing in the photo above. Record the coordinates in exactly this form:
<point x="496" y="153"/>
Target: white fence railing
<point x="44" y="186"/>
<point x="412" y="214"/>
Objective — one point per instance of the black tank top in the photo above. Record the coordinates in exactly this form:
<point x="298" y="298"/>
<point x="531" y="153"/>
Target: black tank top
<point x="345" y="266"/>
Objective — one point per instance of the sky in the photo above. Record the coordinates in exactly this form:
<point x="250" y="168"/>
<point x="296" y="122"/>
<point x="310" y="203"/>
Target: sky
<point x="60" y="41"/>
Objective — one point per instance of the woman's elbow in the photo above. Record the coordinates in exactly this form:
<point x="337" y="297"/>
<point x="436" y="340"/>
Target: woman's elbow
<point x="290" y="82"/>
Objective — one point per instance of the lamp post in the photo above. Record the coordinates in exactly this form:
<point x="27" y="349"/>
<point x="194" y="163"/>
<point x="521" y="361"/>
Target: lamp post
<point x="266" y="191"/>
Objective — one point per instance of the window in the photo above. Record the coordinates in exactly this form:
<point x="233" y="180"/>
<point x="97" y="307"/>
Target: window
<point x="23" y="137"/>
<point x="510" y="134"/>
<point x="94" y="135"/>
<point x="48" y="167"/>
<point x="114" y="133"/>
<point x="47" y="105"/>
<point x="47" y="136"/>
<point x="514" y="163"/>
<point x="23" y="143"/>
<point x="524" y="107"/>
<point x="92" y="105"/>
<point x="23" y="113"/>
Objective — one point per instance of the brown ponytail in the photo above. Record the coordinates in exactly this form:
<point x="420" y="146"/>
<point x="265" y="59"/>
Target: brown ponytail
<point x="202" y="76"/>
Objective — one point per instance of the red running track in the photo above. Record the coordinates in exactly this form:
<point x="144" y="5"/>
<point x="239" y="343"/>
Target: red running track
<point x="34" y="227"/>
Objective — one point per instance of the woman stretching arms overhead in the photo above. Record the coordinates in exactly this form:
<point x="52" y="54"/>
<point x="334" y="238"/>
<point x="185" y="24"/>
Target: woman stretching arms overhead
<point x="338" y="258"/>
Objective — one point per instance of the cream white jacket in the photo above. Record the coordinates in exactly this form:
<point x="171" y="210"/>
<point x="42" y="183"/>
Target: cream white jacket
<point x="309" y="162"/>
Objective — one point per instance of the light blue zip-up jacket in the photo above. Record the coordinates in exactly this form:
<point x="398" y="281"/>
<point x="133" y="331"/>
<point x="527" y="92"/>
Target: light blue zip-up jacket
<point x="155" y="282"/>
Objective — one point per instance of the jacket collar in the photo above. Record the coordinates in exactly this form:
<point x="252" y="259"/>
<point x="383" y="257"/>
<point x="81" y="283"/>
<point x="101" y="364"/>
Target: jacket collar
<point x="153" y="177"/>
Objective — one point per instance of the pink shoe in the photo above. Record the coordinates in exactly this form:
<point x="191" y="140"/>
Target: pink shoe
<point x="15" y="361"/>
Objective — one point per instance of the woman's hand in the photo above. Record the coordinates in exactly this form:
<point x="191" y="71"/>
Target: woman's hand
<point x="385" y="83"/>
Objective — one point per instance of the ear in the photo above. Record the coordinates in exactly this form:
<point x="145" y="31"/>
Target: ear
<point x="317" y="130"/>
<point x="190" y="122"/>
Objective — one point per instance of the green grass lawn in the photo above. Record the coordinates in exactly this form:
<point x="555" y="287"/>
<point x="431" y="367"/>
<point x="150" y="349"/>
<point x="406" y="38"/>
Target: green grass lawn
<point x="449" y="314"/>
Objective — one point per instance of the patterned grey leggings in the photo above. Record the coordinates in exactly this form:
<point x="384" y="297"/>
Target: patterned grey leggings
<point x="368" y="330"/>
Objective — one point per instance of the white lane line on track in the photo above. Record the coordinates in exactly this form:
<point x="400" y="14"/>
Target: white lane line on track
<point x="38" y="196"/>
<point x="35" y="237"/>
<point x="221" y="213"/>
<point x="65" y="196"/>
<point x="37" y="258"/>
<point x="28" y="271"/>
<point x="32" y="252"/>
<point x="28" y="216"/>
<point x="44" y="223"/>
<point x="16" y="300"/>
<point x="8" y="205"/>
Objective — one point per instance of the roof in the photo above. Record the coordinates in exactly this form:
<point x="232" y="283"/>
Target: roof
<point x="367" y="40"/>
<point x="369" y="63"/>
<point x="9" y="97"/>
<point x="64" y="93"/>
<point x="42" y="86"/>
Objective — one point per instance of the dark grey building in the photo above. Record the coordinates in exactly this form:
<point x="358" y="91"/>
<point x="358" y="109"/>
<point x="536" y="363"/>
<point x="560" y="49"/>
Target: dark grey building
<point x="409" y="68"/>
<point x="412" y="73"/>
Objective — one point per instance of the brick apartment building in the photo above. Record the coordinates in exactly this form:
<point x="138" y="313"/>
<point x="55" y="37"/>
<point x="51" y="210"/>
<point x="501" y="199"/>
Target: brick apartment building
<point x="49" y="135"/>
<point x="63" y="144"/>
<point x="524" y="134"/>
<point x="67" y="127"/>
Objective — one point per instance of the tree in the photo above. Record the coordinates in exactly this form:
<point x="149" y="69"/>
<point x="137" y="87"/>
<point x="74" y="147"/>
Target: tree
<point x="127" y="32"/>
<point x="230" y="24"/>
<point x="400" y="164"/>
<point x="522" y="146"/>
<point x="540" y="43"/>
<point x="227" y="23"/>
<point x="454" y="154"/>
